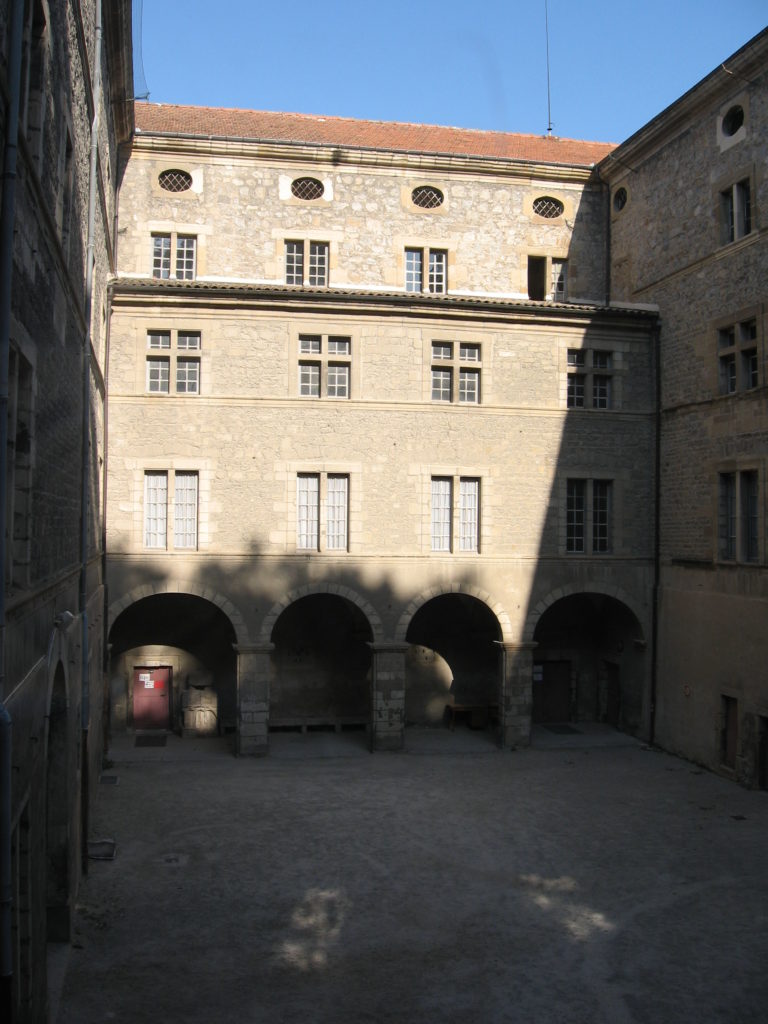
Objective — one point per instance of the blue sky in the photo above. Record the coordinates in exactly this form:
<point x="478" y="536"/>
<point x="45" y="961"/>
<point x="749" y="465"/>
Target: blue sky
<point x="614" y="63"/>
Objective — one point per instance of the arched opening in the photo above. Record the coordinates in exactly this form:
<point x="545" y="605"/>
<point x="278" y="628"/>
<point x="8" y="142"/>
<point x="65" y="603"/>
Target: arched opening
<point x="173" y="666"/>
<point x="321" y="663"/>
<point x="589" y="663"/>
<point x="57" y="814"/>
<point x="453" y="661"/>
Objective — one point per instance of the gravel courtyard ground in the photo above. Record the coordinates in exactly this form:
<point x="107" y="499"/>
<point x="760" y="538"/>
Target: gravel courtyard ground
<point x="596" y="882"/>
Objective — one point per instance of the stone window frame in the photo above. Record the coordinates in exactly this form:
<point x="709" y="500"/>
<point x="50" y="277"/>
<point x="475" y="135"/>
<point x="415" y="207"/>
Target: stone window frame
<point x="548" y="222"/>
<point x="166" y="534"/>
<point x="724" y="141"/>
<point x="173" y="353"/>
<point x="174" y="238"/>
<point x="591" y="373"/>
<point x="542" y="264"/>
<point x="306" y="243"/>
<point x="732" y="196"/>
<point x="425" y="252"/>
<point x="589" y="477"/>
<point x="739" y="534"/>
<point x="458" y="365"/>
<point x="322" y="471"/>
<point x="462" y="516"/>
<point x="324" y="359"/>
<point x="732" y="356"/>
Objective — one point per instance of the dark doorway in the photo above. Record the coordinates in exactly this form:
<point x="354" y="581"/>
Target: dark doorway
<point x="552" y="691"/>
<point x="322" y="665"/>
<point x="601" y="641"/>
<point x="453" y="660"/>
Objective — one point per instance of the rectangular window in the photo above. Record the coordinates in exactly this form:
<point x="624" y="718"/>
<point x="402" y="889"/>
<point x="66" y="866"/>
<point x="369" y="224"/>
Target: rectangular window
<point x="456" y="382"/>
<point x="306" y="263"/>
<point x="575" y="516"/>
<point x="188" y="376"/>
<point x="330" y="373"/>
<point x="183" y="249"/>
<point x="161" y="256"/>
<point x="158" y="376"/>
<point x="310" y="344"/>
<point x="337" y="380"/>
<point x="182" y="369"/>
<point x="185" y="510"/>
<point x="469" y="386"/>
<point x="294" y="262"/>
<point x="414" y="270"/>
<point x="749" y="516"/>
<point x="589" y="379"/>
<point x="469" y="510"/>
<point x="318" y="264"/>
<point x="189" y="341"/>
<point x="726" y="530"/>
<point x="601" y="391"/>
<point x="442" y="385"/>
<point x="19" y="466"/>
<point x="442" y="502"/>
<point x="437" y="270"/>
<point x="337" y="507"/>
<point x="558" y="289"/>
<point x="155" y="505"/>
<point x="309" y="380"/>
<point x="575" y="398"/>
<point x="735" y="211"/>
<point x="738" y="366"/>
<point x="601" y="516"/>
<point x="308" y="511"/>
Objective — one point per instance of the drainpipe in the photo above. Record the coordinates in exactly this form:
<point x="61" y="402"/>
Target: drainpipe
<point x="656" y="537"/>
<point x="7" y="216"/>
<point x="85" y="454"/>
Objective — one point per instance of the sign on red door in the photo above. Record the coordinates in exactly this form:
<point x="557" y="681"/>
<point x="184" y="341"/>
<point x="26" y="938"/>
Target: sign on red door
<point x="151" y="698"/>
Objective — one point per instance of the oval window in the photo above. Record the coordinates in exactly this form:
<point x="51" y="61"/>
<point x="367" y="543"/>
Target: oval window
<point x="733" y="120"/>
<point x="307" y="188"/>
<point x="619" y="199"/>
<point x="427" y="197"/>
<point x="548" y="206"/>
<point x="174" y="180"/>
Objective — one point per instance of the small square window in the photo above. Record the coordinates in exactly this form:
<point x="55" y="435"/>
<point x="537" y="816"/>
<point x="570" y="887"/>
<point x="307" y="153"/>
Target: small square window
<point x="442" y="350"/>
<point x="310" y="344"/>
<point x="469" y="353"/>
<point x="189" y="341"/>
<point x="338" y="346"/>
<point x="159" y="339"/>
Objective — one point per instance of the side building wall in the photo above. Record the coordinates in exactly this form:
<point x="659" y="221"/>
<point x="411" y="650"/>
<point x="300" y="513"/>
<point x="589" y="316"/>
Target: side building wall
<point x="697" y="247"/>
<point x="57" y="733"/>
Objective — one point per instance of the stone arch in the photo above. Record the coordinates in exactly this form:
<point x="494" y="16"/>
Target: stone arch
<point x="310" y="589"/>
<point x="453" y="588"/>
<point x="571" y="590"/>
<point x="182" y="587"/>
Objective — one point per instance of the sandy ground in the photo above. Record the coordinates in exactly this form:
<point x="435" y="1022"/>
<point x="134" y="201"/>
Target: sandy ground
<point x="585" y="880"/>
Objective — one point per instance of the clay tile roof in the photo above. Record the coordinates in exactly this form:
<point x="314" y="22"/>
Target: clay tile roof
<point x="263" y="126"/>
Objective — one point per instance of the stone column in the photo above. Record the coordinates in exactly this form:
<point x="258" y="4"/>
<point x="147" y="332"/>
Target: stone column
<point x="516" y="697"/>
<point x="254" y="673"/>
<point x="387" y="695"/>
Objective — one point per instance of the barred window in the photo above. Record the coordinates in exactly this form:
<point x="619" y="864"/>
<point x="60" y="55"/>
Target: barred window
<point x="174" y="180"/>
<point x="427" y="197"/>
<point x="307" y="188"/>
<point x="548" y="206"/>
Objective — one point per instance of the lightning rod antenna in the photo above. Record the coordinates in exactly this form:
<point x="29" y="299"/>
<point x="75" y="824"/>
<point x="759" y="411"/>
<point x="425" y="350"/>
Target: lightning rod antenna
<point x="549" y="98"/>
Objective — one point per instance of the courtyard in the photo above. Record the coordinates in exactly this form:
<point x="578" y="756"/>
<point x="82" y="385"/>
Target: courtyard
<point x="586" y="879"/>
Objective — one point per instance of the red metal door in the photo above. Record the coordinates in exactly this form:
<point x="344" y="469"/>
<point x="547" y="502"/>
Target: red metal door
<point x="151" y="698"/>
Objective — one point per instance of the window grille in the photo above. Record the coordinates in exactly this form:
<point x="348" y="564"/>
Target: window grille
<point x="307" y="188"/>
<point x="427" y="197"/>
<point x="548" y="206"/>
<point x="174" y="180"/>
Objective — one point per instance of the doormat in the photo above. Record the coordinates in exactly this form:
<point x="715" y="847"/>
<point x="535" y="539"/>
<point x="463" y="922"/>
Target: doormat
<point x="563" y="730"/>
<point x="151" y="741"/>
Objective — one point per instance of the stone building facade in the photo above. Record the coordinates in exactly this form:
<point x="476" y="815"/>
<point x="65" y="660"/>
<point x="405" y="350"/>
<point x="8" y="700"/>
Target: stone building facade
<point x="378" y="446"/>
<point x="53" y="634"/>
<point x="689" y="200"/>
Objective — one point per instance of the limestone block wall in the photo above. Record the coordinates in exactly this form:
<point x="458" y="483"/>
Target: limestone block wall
<point x="241" y="209"/>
